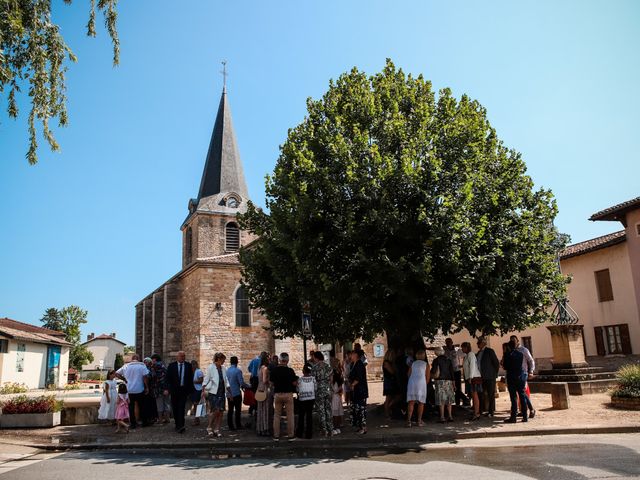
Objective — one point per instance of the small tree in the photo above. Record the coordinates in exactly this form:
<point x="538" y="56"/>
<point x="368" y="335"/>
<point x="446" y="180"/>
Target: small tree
<point x="69" y="321"/>
<point x="118" y="362"/>
<point x="395" y="210"/>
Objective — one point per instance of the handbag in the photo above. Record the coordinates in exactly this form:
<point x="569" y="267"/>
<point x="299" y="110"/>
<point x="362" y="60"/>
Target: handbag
<point x="249" y="398"/>
<point x="201" y="409"/>
<point x="261" y="395"/>
<point x="435" y="372"/>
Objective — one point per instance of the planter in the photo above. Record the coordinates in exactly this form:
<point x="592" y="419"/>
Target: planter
<point x="30" y="420"/>
<point x="628" y="403"/>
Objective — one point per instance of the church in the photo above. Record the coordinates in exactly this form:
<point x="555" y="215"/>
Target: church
<point x="203" y="308"/>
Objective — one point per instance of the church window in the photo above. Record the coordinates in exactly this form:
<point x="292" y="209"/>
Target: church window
<point x="243" y="315"/>
<point x="189" y="245"/>
<point x="232" y="232"/>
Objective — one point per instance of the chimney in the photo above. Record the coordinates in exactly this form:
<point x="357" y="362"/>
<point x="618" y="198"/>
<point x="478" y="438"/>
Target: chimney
<point x="113" y="335"/>
<point x="90" y="336"/>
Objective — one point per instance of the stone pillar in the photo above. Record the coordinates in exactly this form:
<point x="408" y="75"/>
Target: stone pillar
<point x="568" y="347"/>
<point x="139" y="328"/>
<point x="559" y="395"/>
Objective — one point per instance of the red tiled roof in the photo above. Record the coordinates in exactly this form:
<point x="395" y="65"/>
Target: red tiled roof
<point x="27" y="327"/>
<point x="104" y="336"/>
<point x="30" y="333"/>
<point x="593" y="244"/>
<point x="617" y="211"/>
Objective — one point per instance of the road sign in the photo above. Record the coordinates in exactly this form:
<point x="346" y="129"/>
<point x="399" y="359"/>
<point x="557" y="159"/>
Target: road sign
<point x="306" y="324"/>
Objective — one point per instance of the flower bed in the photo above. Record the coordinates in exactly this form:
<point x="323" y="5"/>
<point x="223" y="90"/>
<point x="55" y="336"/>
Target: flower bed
<point x="34" y="412"/>
<point x="627" y="393"/>
<point x="12" y="387"/>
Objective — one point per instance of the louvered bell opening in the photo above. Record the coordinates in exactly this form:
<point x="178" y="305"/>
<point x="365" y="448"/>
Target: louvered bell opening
<point x="233" y="238"/>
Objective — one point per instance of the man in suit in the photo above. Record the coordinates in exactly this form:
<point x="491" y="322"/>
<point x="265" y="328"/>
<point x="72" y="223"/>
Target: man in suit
<point x="180" y="382"/>
<point x="516" y="380"/>
<point x="489" y="365"/>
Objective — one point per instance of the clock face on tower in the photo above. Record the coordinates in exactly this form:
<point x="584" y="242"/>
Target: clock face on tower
<point x="232" y="202"/>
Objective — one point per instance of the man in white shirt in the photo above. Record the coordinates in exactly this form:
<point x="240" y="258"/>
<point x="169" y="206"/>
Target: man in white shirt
<point x="135" y="375"/>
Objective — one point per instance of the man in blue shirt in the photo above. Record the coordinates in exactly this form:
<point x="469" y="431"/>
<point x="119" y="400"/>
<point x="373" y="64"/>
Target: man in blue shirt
<point x="254" y="369"/>
<point x="236" y="384"/>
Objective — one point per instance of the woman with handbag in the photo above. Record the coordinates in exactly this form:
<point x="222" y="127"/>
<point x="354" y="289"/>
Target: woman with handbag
<point x="216" y="387"/>
<point x="472" y="377"/>
<point x="264" y="399"/>
<point x="442" y="373"/>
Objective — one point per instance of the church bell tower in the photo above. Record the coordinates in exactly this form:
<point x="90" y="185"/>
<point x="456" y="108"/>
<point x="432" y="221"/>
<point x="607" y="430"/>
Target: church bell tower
<point x="211" y="229"/>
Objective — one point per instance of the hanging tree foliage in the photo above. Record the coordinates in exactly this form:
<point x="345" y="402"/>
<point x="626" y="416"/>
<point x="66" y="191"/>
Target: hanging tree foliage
<point x="393" y="209"/>
<point x="33" y="56"/>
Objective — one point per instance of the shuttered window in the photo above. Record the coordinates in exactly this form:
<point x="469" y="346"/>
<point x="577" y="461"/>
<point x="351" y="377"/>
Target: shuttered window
<point x="603" y="285"/>
<point x="232" y="237"/>
<point x="613" y="339"/>
<point x="599" y="341"/>
<point x="4" y="346"/>
<point x="243" y="316"/>
<point x="526" y="341"/>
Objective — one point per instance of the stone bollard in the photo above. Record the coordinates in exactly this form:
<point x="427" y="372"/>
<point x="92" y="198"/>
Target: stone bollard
<point x="559" y="395"/>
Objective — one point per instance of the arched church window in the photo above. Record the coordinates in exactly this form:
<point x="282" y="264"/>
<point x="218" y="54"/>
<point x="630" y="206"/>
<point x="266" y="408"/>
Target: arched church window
<point x="232" y="237"/>
<point x="243" y="318"/>
<point x="188" y="245"/>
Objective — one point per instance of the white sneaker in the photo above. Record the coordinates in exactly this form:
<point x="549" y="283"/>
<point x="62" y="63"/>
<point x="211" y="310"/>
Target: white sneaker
<point x="336" y="431"/>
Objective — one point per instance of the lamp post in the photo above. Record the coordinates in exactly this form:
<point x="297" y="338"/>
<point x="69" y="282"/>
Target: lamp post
<point x="306" y="331"/>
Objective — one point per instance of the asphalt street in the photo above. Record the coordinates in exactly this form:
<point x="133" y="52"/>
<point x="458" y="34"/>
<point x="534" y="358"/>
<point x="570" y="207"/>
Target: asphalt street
<point x="569" y="457"/>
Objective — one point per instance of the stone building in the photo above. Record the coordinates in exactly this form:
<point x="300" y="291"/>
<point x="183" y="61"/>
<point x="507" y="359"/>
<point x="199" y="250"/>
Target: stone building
<point x="203" y="308"/>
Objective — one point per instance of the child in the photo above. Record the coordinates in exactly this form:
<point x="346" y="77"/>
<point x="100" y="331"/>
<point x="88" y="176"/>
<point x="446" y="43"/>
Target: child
<point x="122" y="408"/>
<point x="107" y="409"/>
<point x="337" y="410"/>
<point x="306" y="399"/>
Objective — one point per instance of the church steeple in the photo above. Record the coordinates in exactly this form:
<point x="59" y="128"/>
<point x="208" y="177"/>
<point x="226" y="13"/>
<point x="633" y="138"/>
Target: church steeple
<point x="223" y="171"/>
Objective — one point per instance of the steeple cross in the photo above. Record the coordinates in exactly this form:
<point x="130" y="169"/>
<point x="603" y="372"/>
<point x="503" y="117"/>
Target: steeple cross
<point x="224" y="74"/>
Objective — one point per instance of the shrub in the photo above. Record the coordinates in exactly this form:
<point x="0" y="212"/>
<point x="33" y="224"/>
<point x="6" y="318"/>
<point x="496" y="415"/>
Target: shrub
<point x="628" y="382"/>
<point x="24" y="404"/>
<point x="72" y="386"/>
<point x="93" y="376"/>
<point x="10" y="387"/>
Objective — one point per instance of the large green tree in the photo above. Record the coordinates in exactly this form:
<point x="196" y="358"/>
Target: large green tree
<point x="69" y="320"/>
<point x="393" y="209"/>
<point x="34" y="56"/>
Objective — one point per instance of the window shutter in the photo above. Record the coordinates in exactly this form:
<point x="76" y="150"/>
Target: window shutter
<point x="603" y="285"/>
<point x="599" y="341"/>
<point x="625" y="339"/>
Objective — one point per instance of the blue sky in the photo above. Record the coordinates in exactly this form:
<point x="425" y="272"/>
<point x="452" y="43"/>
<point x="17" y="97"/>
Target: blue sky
<point x="97" y="225"/>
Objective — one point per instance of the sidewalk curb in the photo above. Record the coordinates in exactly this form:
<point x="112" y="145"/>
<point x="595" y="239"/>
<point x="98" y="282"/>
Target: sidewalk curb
<point x="386" y="441"/>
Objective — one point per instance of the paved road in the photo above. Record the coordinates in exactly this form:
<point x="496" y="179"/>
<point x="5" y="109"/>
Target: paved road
<point x="555" y="457"/>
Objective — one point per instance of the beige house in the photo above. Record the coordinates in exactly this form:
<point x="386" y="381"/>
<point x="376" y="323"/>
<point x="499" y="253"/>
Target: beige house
<point x="604" y="290"/>
<point x="31" y="355"/>
<point x="104" y="348"/>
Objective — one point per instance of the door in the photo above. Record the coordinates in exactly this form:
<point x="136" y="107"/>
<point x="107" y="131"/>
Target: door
<point x="53" y="365"/>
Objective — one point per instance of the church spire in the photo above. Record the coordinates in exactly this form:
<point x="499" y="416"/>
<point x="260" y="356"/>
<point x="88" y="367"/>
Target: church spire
<point x="223" y="169"/>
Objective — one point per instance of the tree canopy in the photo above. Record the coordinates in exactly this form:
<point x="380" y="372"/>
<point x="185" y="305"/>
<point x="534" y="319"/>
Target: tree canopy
<point x="69" y="320"/>
<point x="393" y="209"/>
<point x="34" y="55"/>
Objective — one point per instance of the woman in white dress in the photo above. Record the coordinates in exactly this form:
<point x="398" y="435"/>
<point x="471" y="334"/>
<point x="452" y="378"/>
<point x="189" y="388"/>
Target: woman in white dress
<point x="107" y="410"/>
<point x="419" y="374"/>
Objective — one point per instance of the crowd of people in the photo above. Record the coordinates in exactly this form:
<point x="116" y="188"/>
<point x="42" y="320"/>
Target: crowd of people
<point x="148" y="391"/>
<point x="412" y="387"/>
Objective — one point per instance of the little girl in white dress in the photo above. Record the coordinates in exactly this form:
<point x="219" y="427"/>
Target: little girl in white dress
<point x="107" y="409"/>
